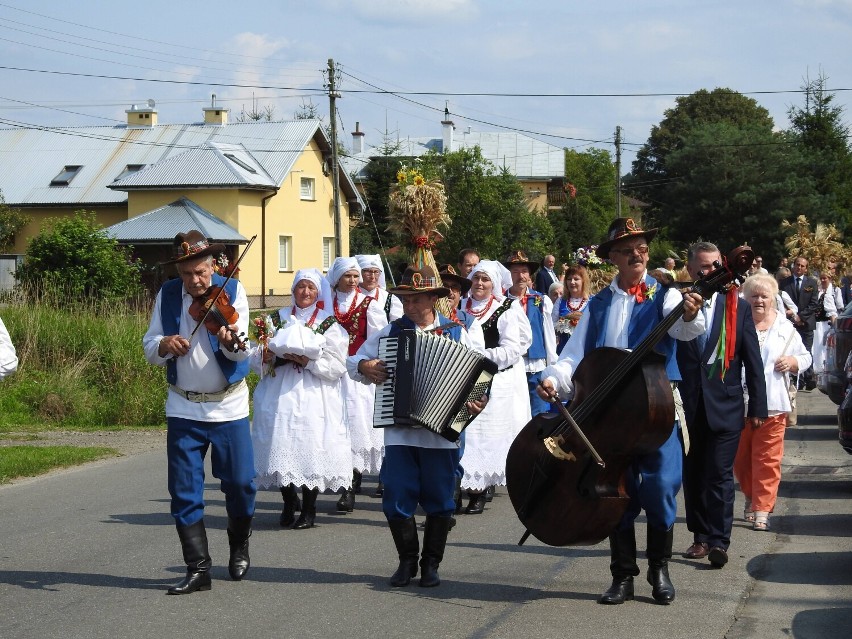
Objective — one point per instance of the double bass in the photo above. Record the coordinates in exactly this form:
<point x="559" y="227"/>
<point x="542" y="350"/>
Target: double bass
<point x="565" y="473"/>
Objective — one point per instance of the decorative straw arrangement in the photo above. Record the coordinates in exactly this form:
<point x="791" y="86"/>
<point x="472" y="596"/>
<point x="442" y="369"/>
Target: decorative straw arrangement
<point x="418" y="207"/>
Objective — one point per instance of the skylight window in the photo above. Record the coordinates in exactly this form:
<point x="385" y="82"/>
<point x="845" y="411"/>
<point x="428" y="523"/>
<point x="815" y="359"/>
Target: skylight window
<point x="66" y="175"/>
<point x="129" y="170"/>
<point x="243" y="165"/>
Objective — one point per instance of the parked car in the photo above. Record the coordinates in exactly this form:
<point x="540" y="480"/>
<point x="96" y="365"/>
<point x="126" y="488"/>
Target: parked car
<point x="844" y="411"/>
<point x="832" y="381"/>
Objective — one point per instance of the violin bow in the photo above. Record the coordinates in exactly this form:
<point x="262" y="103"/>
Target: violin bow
<point x="212" y="302"/>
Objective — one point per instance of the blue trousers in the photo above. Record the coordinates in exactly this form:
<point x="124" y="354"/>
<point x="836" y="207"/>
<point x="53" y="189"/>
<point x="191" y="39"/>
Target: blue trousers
<point x="413" y="475"/>
<point x="232" y="461"/>
<point x="653" y="482"/>
<point x="537" y="404"/>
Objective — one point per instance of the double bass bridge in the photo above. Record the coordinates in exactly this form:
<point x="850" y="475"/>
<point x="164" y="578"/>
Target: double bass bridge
<point x="554" y="447"/>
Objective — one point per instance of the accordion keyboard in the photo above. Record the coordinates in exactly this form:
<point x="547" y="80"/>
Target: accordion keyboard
<point x="383" y="408"/>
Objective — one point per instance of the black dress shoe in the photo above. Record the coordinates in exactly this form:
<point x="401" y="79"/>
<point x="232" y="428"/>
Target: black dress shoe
<point x="380" y="489"/>
<point x="489" y="494"/>
<point x="195" y="581"/>
<point x="718" y="556"/>
<point x="476" y="505"/>
<point x="620" y="591"/>
<point x="346" y="503"/>
<point x="698" y="550"/>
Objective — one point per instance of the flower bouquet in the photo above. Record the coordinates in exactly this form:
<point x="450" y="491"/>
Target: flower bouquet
<point x="263" y="328"/>
<point x="600" y="271"/>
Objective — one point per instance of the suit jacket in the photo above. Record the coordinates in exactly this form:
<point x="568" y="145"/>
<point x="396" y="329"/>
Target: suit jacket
<point x="543" y="280"/>
<point x="723" y="398"/>
<point x="807" y="300"/>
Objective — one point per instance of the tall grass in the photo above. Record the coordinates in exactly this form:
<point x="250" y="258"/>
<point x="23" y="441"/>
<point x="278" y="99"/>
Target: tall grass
<point x="80" y="364"/>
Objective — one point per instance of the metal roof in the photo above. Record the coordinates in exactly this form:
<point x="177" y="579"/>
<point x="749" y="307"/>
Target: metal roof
<point x="525" y="157"/>
<point x="209" y="165"/>
<point x="31" y="157"/>
<point x="160" y="225"/>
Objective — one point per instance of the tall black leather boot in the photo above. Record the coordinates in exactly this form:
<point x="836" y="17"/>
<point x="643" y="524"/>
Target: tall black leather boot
<point x="404" y="533"/>
<point x="239" y="531"/>
<point x="659" y="552"/>
<point x="434" y="541"/>
<point x="356" y="481"/>
<point x="288" y="515"/>
<point x="193" y="541"/>
<point x="309" y="509"/>
<point x="622" y="546"/>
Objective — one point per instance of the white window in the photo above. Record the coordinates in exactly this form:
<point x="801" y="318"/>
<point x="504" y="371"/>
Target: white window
<point x="327" y="252"/>
<point x="306" y="188"/>
<point x="285" y="253"/>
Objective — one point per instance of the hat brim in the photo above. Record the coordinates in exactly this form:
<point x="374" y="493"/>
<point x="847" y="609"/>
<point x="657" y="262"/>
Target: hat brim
<point x="213" y="249"/>
<point x="463" y="282"/>
<point x="532" y="266"/>
<point x="441" y="291"/>
<point x="603" y="248"/>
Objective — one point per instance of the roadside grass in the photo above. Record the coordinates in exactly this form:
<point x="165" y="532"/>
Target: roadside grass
<point x="29" y="461"/>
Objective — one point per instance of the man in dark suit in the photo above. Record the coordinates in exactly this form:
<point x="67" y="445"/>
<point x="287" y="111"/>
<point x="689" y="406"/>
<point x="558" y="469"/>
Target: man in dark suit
<point x="714" y="409"/>
<point x="804" y="291"/>
<point x="546" y="275"/>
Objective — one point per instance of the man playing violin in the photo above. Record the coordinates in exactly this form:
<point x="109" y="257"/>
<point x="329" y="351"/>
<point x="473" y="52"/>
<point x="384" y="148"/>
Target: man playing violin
<point x="621" y="316"/>
<point x="207" y="404"/>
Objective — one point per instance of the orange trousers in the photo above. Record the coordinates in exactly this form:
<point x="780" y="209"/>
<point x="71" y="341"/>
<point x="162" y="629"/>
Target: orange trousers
<point x="757" y="465"/>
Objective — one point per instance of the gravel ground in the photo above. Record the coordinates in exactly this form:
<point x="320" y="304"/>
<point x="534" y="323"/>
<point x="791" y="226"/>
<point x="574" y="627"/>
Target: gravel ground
<point x="126" y="442"/>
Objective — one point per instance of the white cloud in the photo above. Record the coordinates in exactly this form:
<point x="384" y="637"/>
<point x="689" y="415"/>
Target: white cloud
<point x="410" y="12"/>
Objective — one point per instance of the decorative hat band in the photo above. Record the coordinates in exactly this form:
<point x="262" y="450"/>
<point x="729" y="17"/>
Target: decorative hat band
<point x="419" y="282"/>
<point x="186" y="248"/>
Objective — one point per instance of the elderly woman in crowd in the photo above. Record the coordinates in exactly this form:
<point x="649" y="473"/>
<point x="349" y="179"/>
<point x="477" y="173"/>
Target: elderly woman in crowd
<point x="575" y="296"/>
<point x="757" y="466"/>
<point x="299" y="433"/>
<point x="507" y="336"/>
<point x="360" y="316"/>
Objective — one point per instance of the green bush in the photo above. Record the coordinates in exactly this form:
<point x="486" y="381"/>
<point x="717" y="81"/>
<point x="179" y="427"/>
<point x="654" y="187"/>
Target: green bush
<point x="73" y="258"/>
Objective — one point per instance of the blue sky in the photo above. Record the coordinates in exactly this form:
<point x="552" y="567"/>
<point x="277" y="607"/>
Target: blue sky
<point x="643" y="51"/>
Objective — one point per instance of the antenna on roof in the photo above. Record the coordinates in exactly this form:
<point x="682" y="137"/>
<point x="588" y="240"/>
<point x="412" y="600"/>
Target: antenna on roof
<point x="151" y="103"/>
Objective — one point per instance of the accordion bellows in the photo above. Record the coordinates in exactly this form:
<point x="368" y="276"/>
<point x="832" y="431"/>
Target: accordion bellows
<point x="430" y="380"/>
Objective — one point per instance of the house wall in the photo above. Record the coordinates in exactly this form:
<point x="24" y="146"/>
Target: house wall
<point x="40" y="216"/>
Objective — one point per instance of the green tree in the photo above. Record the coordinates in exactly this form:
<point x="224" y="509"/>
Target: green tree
<point x="585" y="217"/>
<point x="487" y="208"/>
<point x="736" y="184"/>
<point x="74" y="257"/>
<point x="824" y="141"/>
<point x="652" y="177"/>
<point x="11" y="222"/>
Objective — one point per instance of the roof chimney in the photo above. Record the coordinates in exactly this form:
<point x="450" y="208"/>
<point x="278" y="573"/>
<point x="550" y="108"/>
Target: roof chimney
<point x="448" y="130"/>
<point x="357" y="139"/>
<point x="214" y="114"/>
<point x="142" y="117"/>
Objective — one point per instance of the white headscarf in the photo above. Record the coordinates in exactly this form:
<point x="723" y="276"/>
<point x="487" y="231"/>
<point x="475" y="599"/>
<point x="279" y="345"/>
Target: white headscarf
<point x="339" y="267"/>
<point x="373" y="261"/>
<point x="323" y="289"/>
<point x="500" y="277"/>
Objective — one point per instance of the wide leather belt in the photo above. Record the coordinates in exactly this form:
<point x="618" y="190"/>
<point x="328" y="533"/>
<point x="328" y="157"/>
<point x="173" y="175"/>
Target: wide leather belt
<point x="199" y="398"/>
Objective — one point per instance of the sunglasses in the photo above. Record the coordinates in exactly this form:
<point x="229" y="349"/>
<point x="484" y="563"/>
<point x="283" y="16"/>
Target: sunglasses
<point x="627" y="252"/>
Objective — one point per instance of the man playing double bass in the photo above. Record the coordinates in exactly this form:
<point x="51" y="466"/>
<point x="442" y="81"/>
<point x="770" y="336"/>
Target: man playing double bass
<point x="621" y="316"/>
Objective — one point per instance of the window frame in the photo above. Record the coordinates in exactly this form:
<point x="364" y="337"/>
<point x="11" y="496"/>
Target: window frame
<point x="313" y="183"/>
<point x="288" y="267"/>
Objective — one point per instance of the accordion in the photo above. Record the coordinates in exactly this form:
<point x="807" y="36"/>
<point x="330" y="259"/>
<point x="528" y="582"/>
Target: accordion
<point x="430" y="380"/>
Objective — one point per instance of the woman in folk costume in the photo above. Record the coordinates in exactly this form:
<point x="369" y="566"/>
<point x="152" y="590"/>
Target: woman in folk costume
<point x="299" y="431"/>
<point x="507" y="337"/>
<point x="360" y="316"/>
<point x="373" y="284"/>
<point x="831" y="303"/>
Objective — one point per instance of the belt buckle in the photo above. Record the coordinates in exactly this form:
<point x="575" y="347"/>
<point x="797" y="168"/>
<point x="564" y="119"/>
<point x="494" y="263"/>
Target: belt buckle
<point x="192" y="395"/>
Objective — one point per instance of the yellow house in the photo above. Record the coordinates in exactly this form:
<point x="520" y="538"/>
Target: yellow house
<point x="147" y="181"/>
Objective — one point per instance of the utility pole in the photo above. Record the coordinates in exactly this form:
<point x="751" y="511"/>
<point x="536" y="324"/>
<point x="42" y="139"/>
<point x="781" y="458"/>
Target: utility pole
<point x="335" y="180"/>
<point x="618" y="171"/>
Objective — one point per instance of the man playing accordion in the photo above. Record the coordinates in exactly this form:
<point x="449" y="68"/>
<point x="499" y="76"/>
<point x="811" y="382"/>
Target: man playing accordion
<point x="419" y="465"/>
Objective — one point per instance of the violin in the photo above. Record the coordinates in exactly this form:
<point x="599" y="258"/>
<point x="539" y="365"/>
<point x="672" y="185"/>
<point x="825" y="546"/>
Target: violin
<point x="213" y="308"/>
<point x="565" y="473"/>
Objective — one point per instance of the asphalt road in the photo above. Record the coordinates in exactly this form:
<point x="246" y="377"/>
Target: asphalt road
<point x="89" y="552"/>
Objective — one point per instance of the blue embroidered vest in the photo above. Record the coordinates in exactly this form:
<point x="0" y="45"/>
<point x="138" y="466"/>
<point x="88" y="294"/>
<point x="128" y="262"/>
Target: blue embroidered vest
<point x="643" y="319"/>
<point x="536" y="318"/>
<point x="454" y="332"/>
<point x="170" y="312"/>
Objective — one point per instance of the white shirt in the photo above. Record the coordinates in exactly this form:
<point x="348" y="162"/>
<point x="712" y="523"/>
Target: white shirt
<point x="616" y="335"/>
<point x="198" y="370"/>
<point x="402" y="435"/>
<point x="8" y="357"/>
